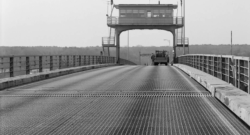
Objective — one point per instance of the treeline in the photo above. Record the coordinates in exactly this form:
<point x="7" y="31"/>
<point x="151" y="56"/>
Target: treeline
<point x="51" y="50"/>
<point x="238" y="50"/>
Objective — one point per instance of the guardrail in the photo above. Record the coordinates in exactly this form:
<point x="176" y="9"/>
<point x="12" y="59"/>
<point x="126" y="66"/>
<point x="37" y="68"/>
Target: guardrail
<point x="145" y="21"/>
<point x="108" y="40"/>
<point x="232" y="69"/>
<point x="186" y="41"/>
<point x="11" y="66"/>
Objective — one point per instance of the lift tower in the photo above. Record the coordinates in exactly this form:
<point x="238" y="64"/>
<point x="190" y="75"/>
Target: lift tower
<point x="145" y="16"/>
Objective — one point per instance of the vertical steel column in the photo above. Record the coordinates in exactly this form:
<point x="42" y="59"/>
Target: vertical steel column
<point x="174" y="47"/>
<point x="248" y="75"/>
<point x="27" y="65"/>
<point x="207" y="65"/>
<point x="101" y="59"/>
<point x="213" y="66"/>
<point x="93" y="60"/>
<point x="11" y="68"/>
<point x="60" y="62"/>
<point x="51" y="63"/>
<point x="238" y="74"/>
<point x="67" y="64"/>
<point x="117" y="33"/>
<point x="84" y="60"/>
<point x="228" y="69"/>
<point x="89" y="60"/>
<point x="235" y="72"/>
<point x="80" y="60"/>
<point x="74" y="60"/>
<point x="40" y="63"/>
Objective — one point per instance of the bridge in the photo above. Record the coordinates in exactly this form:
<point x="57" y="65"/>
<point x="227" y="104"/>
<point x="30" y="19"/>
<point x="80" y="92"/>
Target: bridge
<point x="94" y="95"/>
<point x="87" y="94"/>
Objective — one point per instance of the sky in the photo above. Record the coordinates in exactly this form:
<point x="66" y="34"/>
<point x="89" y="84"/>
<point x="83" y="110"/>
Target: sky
<point x="83" y="23"/>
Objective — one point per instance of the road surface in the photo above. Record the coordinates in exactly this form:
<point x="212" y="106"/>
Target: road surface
<point x="116" y="100"/>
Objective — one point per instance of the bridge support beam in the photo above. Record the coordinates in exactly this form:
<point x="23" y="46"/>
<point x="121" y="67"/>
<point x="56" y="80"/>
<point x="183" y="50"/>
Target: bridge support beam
<point x="117" y="37"/>
<point x="174" y="46"/>
<point x="120" y="29"/>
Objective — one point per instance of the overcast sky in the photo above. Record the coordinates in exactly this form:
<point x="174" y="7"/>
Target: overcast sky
<point x="83" y="23"/>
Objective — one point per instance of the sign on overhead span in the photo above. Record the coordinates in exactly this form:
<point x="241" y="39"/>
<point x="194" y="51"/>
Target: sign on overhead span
<point x="145" y="55"/>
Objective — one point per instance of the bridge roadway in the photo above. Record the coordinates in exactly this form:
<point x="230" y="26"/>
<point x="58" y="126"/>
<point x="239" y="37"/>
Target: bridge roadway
<point x="117" y="100"/>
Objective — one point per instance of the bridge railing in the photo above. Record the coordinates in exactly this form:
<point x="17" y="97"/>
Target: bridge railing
<point x="232" y="69"/>
<point x="108" y="41"/>
<point x="144" y="21"/>
<point x="186" y="41"/>
<point x="11" y="66"/>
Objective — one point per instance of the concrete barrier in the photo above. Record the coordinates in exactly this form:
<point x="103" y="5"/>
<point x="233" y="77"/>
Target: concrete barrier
<point x="235" y="99"/>
<point x="20" y="80"/>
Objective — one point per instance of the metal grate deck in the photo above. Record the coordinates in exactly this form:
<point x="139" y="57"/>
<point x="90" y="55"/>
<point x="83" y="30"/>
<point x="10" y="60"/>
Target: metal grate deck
<point x="145" y="101"/>
<point x="122" y="115"/>
<point x="114" y="94"/>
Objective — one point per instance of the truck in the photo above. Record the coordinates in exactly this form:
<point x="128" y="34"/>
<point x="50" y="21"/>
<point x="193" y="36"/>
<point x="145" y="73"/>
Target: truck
<point x="160" y="57"/>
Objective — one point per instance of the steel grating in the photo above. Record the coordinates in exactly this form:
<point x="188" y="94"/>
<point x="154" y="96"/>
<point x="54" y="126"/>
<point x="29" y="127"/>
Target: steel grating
<point x="114" y="94"/>
<point x="133" y="103"/>
<point x="123" y="115"/>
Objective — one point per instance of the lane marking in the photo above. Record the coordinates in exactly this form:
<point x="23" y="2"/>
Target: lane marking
<point x="224" y="120"/>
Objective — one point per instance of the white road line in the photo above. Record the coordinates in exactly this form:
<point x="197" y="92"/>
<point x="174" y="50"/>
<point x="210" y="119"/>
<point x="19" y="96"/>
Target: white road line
<point x="225" y="121"/>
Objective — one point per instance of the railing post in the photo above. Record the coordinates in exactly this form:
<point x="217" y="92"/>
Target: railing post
<point x="94" y="60"/>
<point x="40" y="64"/>
<point x="60" y="62"/>
<point x="67" y="64"/>
<point x="84" y="60"/>
<point x="248" y="61"/>
<point x="11" y="68"/>
<point x="27" y="65"/>
<point x="74" y="60"/>
<point x="80" y="60"/>
<point x="228" y="69"/>
<point x="51" y="63"/>
<point x="89" y="60"/>
<point x="98" y="61"/>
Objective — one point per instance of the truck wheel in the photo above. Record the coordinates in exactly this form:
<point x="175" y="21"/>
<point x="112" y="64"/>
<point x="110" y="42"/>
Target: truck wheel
<point x="155" y="64"/>
<point x="166" y="64"/>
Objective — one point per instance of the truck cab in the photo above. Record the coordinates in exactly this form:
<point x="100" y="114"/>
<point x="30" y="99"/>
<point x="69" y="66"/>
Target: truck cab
<point x="160" y="57"/>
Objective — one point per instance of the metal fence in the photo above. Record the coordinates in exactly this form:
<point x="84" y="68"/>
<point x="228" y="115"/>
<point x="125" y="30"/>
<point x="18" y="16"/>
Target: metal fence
<point x="108" y="40"/>
<point x="232" y="69"/>
<point x="180" y="41"/>
<point x="11" y="66"/>
<point x="145" y="21"/>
